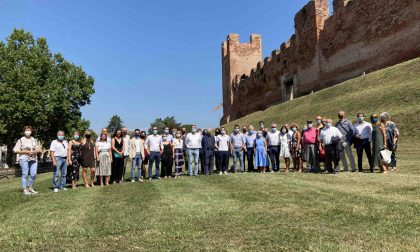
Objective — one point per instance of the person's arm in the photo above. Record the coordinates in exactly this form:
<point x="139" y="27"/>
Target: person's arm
<point x="110" y="154"/>
<point x="123" y="147"/>
<point x="17" y="148"/>
<point x="299" y="139"/>
<point x="97" y="152"/>
<point x="383" y="131"/>
<point x="231" y="146"/>
<point x="216" y="144"/>
<point x="54" y="161"/>
<point x="265" y="147"/>
<point x="69" y="153"/>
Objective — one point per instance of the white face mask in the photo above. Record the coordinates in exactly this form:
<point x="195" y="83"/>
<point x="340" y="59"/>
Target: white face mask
<point x="310" y="125"/>
<point x="294" y="129"/>
<point x="28" y="133"/>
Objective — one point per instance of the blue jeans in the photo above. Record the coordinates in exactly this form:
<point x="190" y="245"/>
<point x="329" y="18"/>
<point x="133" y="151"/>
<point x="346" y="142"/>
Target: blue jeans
<point x="154" y="157"/>
<point x="193" y="155"/>
<point x="238" y="153"/>
<point x="136" y="161"/>
<point x="60" y="167"/>
<point x="28" y="167"/>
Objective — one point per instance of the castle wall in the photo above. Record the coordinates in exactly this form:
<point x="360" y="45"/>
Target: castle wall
<point x="361" y="36"/>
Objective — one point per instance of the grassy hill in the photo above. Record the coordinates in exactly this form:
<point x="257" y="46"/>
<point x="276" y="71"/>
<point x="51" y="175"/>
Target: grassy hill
<point x="395" y="89"/>
<point x="258" y="212"/>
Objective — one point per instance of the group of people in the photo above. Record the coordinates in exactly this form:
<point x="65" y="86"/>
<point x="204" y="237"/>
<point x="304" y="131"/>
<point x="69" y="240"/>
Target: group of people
<point x="107" y="157"/>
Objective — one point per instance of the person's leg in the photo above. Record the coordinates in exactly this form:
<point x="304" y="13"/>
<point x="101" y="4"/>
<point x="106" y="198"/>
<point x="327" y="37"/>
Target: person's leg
<point x="336" y="158"/>
<point x="248" y="158"/>
<point x="241" y="160"/>
<point x="343" y="159"/>
<point x="219" y="160"/>
<point x="124" y="167"/>
<point x="163" y="163"/>
<point x="63" y="174"/>
<point x="33" y="167"/>
<point x="277" y="157"/>
<point x="225" y="161"/>
<point x="349" y="153"/>
<point x="133" y="167"/>
<point x="272" y="157"/>
<point x="190" y="161"/>
<point x="151" y="160"/>
<point x="359" y="151"/>
<point x="25" y="170"/>
<point x="84" y="176"/>
<point x="235" y="160"/>
<point x="210" y="162"/>
<point x="196" y="158"/>
<point x="139" y="168"/>
<point x="329" y="158"/>
<point x="56" y="170"/>
<point x="158" y="157"/>
<point x="368" y="151"/>
<point x="287" y="162"/>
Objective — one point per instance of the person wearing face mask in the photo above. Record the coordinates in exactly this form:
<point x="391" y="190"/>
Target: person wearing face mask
<point x="201" y="157"/>
<point x="261" y="124"/>
<point x="284" y="140"/>
<point x="177" y="146"/>
<point x="379" y="142"/>
<point x="250" y="137"/>
<point x="118" y="147"/>
<point x="154" y="149"/>
<point x="73" y="160"/>
<point x="167" y="158"/>
<point x="216" y="151"/>
<point x="126" y="139"/>
<point x="392" y="135"/>
<point x="27" y="149"/>
<point x="260" y="150"/>
<point x="362" y="140"/>
<point x="136" y="155"/>
<point x="347" y="130"/>
<point x="58" y="153"/>
<point x="330" y="137"/>
<point x="193" y="142"/>
<point x="145" y="162"/>
<point x="208" y="143"/>
<point x="310" y="143"/>
<point x="222" y="145"/>
<point x="296" y="148"/>
<point x="168" y="134"/>
<point x="87" y="158"/>
<point x="184" y="148"/>
<point x="237" y="146"/>
<point x="273" y="144"/>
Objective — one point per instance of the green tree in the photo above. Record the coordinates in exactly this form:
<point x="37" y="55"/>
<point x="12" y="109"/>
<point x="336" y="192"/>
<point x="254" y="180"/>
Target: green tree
<point x="160" y="123"/>
<point x="40" y="89"/>
<point x="114" y="124"/>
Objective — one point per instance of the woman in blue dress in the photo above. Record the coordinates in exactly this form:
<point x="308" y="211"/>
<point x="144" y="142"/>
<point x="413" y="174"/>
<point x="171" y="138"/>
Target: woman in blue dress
<point x="260" y="152"/>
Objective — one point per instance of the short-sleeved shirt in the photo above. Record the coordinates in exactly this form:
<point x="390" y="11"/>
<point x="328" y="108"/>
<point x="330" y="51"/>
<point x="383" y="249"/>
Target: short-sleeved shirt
<point x="178" y="143"/>
<point x="154" y="142"/>
<point x="250" y="140"/>
<point x="273" y="138"/>
<point x="26" y="144"/>
<point x="237" y="140"/>
<point x="103" y="146"/>
<point x="310" y="136"/>
<point x="59" y="148"/>
<point x="223" y="142"/>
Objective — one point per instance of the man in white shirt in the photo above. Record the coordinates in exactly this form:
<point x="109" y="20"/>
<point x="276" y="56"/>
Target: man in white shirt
<point x="154" y="149"/>
<point x="273" y="137"/>
<point x="193" y="143"/>
<point x="58" y="152"/>
<point x="126" y="139"/>
<point x="362" y="139"/>
<point x="330" y="136"/>
<point x="222" y="145"/>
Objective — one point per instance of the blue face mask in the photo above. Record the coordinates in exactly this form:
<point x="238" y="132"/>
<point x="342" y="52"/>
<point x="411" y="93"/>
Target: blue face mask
<point x="374" y="119"/>
<point x="76" y="137"/>
<point x="273" y="130"/>
<point x="360" y="119"/>
<point x="61" y="138"/>
<point x="251" y="132"/>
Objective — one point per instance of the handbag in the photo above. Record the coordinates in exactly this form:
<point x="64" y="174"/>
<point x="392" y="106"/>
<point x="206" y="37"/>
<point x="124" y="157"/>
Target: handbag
<point x="385" y="156"/>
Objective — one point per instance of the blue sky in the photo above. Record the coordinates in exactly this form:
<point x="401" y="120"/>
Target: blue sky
<point x="150" y="59"/>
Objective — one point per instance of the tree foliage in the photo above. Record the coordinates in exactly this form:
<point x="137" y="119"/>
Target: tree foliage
<point x="40" y="89"/>
<point x="114" y="124"/>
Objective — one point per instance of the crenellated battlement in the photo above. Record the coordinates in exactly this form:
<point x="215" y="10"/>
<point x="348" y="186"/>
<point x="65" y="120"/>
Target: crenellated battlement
<point x="360" y="36"/>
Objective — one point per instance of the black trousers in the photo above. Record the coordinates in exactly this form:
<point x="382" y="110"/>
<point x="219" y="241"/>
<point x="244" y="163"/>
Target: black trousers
<point x="201" y="158"/>
<point x="331" y="156"/>
<point x="250" y="159"/>
<point x="223" y="161"/>
<point x="216" y="157"/>
<point x="208" y="161"/>
<point x="167" y="162"/>
<point x="360" y="145"/>
<point x="117" y="169"/>
<point x="274" y="154"/>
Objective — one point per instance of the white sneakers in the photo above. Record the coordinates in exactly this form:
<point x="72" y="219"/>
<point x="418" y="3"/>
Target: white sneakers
<point x="133" y="180"/>
<point x="220" y="173"/>
<point x="55" y="190"/>
<point x="29" y="191"/>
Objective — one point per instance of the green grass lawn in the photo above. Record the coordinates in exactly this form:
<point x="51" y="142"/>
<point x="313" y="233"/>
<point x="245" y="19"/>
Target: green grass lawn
<point x="276" y="212"/>
<point x="295" y="211"/>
